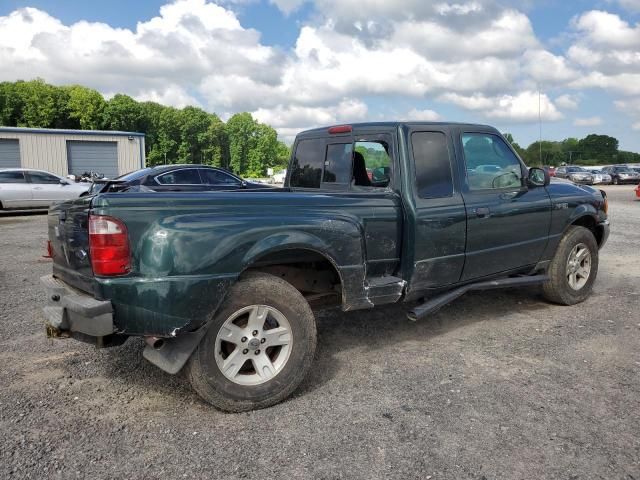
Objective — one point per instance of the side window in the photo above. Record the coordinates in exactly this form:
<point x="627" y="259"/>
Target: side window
<point x="12" y="177"/>
<point x="39" y="177"/>
<point x="433" y="167"/>
<point x="490" y="162"/>
<point x="308" y="163"/>
<point x="186" y="176"/>
<point x="215" y="177"/>
<point x="371" y="164"/>
<point x="337" y="166"/>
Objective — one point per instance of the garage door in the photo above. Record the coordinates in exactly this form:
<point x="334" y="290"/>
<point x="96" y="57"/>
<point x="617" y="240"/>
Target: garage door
<point x="9" y="154"/>
<point x="99" y="157"/>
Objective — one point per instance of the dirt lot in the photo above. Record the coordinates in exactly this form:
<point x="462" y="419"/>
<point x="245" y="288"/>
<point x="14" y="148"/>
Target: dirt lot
<point x="495" y="386"/>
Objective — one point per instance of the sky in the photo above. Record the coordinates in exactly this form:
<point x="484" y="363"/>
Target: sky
<point x="298" y="64"/>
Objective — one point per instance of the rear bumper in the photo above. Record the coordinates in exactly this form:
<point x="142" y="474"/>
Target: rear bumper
<point x="71" y="311"/>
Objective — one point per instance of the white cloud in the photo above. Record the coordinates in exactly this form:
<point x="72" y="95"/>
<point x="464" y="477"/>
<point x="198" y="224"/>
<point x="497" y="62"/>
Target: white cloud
<point x="422" y="115"/>
<point x="547" y="68"/>
<point x="636" y="126"/>
<point x="522" y="107"/>
<point x="569" y="102"/>
<point x="348" y="110"/>
<point x="587" y="122"/>
<point x="480" y="55"/>
<point x="631" y="5"/>
<point x="163" y="56"/>
<point x="287" y="6"/>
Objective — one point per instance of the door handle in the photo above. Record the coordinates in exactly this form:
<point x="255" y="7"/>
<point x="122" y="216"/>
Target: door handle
<point x="483" y="212"/>
<point x="37" y="188"/>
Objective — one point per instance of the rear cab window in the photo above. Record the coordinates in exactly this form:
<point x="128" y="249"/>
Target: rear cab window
<point x="356" y="163"/>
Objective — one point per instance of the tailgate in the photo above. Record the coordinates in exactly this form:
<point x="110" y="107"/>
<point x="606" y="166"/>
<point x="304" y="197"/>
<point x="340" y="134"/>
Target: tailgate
<point x="69" y="237"/>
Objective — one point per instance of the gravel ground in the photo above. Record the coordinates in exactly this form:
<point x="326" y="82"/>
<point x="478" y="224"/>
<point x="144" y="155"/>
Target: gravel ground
<point x="498" y="385"/>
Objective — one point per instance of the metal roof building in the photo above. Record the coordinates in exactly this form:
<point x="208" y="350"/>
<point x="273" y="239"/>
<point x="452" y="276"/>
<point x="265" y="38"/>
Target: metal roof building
<point x="65" y="152"/>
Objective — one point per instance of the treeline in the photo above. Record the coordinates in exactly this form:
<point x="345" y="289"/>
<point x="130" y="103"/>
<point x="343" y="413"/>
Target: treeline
<point x="188" y="135"/>
<point x="590" y="150"/>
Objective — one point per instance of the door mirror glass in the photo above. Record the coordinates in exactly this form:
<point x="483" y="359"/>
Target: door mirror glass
<point x="538" y="177"/>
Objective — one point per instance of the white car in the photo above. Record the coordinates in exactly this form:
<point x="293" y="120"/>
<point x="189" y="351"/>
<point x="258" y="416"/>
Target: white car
<point x="280" y="176"/>
<point x="22" y="188"/>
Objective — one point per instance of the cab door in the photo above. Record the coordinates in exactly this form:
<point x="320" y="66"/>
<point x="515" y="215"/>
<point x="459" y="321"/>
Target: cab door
<point x="507" y="221"/>
<point x="435" y="233"/>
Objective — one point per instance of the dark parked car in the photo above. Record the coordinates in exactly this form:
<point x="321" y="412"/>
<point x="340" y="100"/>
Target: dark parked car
<point x="176" y="178"/>
<point x="225" y="284"/>
<point x="621" y="174"/>
<point x="575" y="174"/>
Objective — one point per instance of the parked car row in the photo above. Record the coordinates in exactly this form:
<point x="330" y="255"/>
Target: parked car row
<point x="37" y="189"/>
<point x="615" y="174"/>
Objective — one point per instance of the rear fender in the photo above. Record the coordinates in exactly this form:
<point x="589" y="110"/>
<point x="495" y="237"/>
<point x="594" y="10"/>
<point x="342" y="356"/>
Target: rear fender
<point x="341" y="244"/>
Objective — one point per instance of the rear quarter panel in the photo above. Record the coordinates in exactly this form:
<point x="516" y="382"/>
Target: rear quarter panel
<point x="189" y="248"/>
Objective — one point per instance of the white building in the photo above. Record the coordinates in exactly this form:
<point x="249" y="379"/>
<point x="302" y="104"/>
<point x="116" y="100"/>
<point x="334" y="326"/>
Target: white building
<point x="65" y="152"/>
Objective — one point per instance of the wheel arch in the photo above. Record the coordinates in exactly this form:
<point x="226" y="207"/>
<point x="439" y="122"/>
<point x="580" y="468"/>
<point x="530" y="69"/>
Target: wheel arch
<point x="589" y="221"/>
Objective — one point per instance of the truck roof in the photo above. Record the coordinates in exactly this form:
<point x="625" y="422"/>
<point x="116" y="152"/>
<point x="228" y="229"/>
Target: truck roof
<point x="395" y="124"/>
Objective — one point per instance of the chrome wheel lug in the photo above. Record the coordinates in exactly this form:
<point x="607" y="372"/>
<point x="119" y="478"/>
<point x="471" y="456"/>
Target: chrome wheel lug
<point x="245" y="351"/>
<point x="244" y="339"/>
<point x="255" y="333"/>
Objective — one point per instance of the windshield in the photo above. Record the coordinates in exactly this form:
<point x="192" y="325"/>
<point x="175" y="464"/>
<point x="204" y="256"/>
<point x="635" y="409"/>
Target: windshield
<point x="575" y="169"/>
<point x="134" y="175"/>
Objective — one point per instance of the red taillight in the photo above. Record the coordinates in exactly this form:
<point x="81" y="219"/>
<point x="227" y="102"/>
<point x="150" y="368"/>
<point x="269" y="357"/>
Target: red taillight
<point x="340" y="129"/>
<point x="49" y="250"/>
<point x="108" y="246"/>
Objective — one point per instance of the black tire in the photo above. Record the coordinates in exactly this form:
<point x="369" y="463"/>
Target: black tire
<point x="256" y="289"/>
<point x="615" y="180"/>
<point x="557" y="289"/>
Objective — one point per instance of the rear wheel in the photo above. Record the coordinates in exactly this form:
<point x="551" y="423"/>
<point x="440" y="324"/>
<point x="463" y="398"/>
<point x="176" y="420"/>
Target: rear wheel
<point x="259" y="347"/>
<point x="573" y="268"/>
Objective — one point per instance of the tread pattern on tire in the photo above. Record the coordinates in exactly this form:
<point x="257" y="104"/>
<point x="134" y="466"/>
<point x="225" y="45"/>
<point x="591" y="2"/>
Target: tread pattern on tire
<point x="557" y="289"/>
<point x="254" y="288"/>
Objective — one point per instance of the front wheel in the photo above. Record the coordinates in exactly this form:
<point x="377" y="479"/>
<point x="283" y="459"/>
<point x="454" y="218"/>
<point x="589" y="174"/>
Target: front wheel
<point x="615" y="180"/>
<point x="573" y="268"/>
<point x="258" y="348"/>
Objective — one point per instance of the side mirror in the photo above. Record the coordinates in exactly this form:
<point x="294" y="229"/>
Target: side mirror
<point x="538" y="177"/>
<point x="244" y="184"/>
<point x="64" y="182"/>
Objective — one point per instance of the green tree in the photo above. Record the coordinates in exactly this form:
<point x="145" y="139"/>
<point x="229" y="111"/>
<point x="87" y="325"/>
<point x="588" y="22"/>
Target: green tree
<point x="601" y="148"/>
<point x="241" y="129"/>
<point x="123" y="113"/>
<point x="543" y="153"/>
<point x="86" y="106"/>
<point x="33" y="103"/>
<point x="193" y="125"/>
<point x="216" y="150"/>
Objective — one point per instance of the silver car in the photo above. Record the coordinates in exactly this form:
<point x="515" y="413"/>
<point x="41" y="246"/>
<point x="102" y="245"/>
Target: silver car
<point x="600" y="178"/>
<point x="22" y="188"/>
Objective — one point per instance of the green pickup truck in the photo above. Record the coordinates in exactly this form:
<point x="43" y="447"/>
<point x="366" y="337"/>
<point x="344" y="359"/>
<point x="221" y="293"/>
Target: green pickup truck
<point x="223" y="285"/>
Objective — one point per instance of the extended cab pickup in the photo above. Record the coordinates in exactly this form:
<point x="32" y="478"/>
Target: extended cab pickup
<point x="224" y="284"/>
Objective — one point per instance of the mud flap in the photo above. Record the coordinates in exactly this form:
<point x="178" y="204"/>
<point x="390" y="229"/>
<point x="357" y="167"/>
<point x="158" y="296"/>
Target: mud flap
<point x="174" y="352"/>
